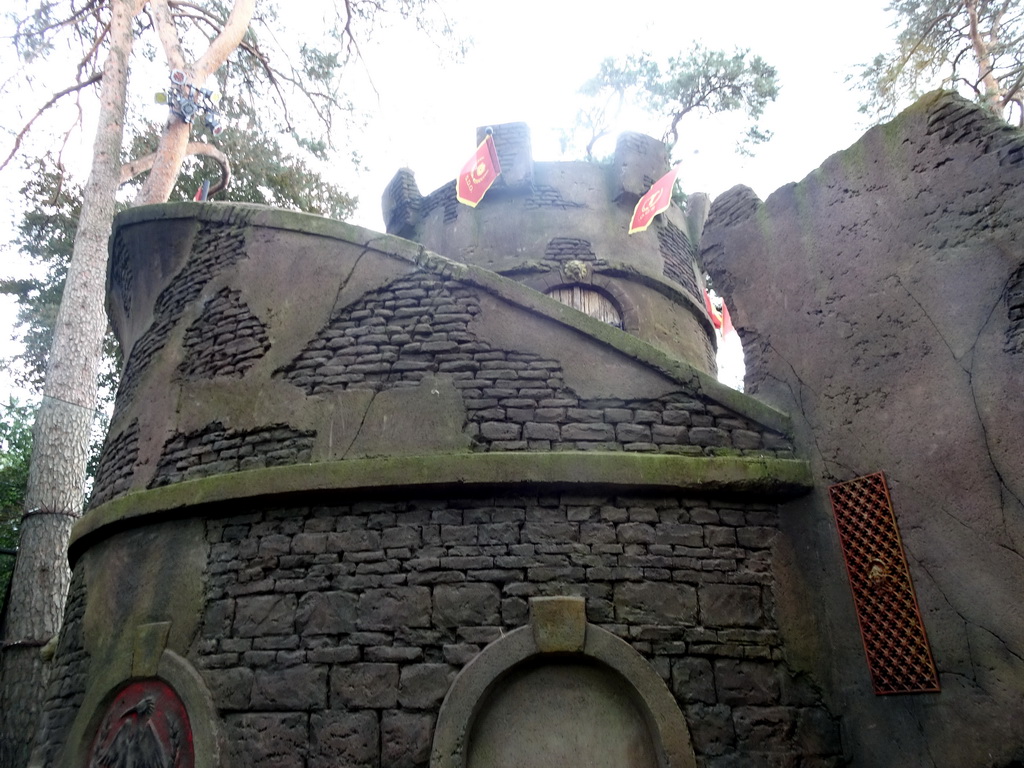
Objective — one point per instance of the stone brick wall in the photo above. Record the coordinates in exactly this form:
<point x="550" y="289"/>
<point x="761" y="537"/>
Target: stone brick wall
<point x="121" y="273"/>
<point x="1014" y="297"/>
<point x="680" y="257"/>
<point x="736" y="205"/>
<point x="514" y="400"/>
<point x="401" y="203"/>
<point x="546" y="196"/>
<point x="961" y="124"/>
<point x="514" y="148"/>
<point x="218" y="246"/>
<point x="442" y="197"/>
<point x="116" y="464"/>
<point x="225" y="340"/>
<point x="215" y="450"/>
<point x="68" y="677"/>
<point x="561" y="249"/>
<point x="526" y="222"/>
<point x="332" y="634"/>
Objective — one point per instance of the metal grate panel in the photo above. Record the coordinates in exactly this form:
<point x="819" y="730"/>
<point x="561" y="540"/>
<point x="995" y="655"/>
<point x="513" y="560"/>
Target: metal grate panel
<point x="894" y="638"/>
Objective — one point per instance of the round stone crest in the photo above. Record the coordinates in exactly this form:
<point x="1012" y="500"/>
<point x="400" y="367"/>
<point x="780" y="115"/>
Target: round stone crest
<point x="145" y="726"/>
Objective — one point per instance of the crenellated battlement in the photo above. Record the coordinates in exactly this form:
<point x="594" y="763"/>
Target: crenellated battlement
<point x="651" y="279"/>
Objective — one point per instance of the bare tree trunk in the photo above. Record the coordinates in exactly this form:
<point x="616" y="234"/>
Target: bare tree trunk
<point x="53" y="499"/>
<point x="993" y="96"/>
<point x="174" y="142"/>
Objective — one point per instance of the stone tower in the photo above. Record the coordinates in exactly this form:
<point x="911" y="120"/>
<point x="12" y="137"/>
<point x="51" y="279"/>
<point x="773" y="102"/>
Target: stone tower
<point x="374" y="502"/>
<point x="558" y="228"/>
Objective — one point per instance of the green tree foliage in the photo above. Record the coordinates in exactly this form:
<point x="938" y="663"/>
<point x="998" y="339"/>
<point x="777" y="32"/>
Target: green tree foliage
<point x="45" y="236"/>
<point x="15" y="450"/>
<point x="288" y="76"/>
<point x="702" y="82"/>
<point x="262" y="172"/>
<point x="972" y="46"/>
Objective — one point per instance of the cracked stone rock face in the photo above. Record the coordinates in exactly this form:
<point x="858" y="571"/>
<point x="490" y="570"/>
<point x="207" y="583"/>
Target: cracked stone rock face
<point x="881" y="302"/>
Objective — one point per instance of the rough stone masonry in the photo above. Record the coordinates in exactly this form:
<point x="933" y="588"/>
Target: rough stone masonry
<point x="365" y="501"/>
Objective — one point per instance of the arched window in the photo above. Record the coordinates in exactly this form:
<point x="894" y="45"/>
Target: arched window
<point x="589" y="302"/>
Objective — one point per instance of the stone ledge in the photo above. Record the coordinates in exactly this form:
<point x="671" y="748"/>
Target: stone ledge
<point x="769" y="478"/>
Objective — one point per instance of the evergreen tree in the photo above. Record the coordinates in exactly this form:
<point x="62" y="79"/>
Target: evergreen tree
<point x="972" y="46"/>
<point x="702" y="82"/>
<point x="15" y="450"/>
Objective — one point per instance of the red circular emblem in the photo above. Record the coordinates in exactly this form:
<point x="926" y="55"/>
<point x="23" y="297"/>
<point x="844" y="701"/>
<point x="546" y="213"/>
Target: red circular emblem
<point x="145" y="726"/>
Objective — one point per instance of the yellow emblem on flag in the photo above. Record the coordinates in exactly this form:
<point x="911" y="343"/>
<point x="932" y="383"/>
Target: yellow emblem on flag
<point x="657" y="199"/>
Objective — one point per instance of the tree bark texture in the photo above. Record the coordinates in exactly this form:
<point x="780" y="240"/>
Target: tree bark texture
<point x="54" y="496"/>
<point x="174" y="141"/>
<point x="993" y="97"/>
<point x="53" y="499"/>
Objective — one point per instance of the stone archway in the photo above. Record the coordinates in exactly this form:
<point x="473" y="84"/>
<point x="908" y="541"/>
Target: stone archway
<point x="557" y="691"/>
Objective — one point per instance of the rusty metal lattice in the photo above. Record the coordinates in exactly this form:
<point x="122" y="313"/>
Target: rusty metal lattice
<point x="895" y="642"/>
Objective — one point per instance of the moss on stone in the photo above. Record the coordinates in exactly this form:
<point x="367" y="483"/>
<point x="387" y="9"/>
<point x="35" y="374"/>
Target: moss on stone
<point x="765" y="477"/>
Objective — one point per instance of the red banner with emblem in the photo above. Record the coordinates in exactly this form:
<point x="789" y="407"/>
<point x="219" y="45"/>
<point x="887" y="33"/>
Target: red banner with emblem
<point x="714" y="314"/>
<point x="478" y="174"/>
<point x="657" y="199"/>
<point x="722" y="320"/>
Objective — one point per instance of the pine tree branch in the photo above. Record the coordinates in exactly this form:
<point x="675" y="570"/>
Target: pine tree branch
<point x="1011" y="91"/>
<point x="94" y="78"/>
<point x="199" y="10"/>
<point x="167" y="33"/>
<point x="229" y="39"/>
<point x="91" y="53"/>
<point x="142" y="164"/>
<point x="76" y="16"/>
<point x="982" y="55"/>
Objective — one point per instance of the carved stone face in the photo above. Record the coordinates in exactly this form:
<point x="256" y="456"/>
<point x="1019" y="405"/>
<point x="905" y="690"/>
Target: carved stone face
<point x="574" y="270"/>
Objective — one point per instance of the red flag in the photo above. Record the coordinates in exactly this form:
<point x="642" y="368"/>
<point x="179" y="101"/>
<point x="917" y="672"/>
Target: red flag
<point x="727" y="327"/>
<point x="203" y="192"/>
<point x="714" y="314"/>
<point x="656" y="200"/>
<point x="478" y="174"/>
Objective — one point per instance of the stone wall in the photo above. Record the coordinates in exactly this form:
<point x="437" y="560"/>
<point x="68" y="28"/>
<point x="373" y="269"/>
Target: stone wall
<point x="879" y="302"/>
<point x="514" y="400"/>
<point x="1014" y="297"/>
<point x="341" y="466"/>
<point x="678" y="253"/>
<point x="116" y="465"/>
<point x="216" y="450"/>
<point x="537" y="214"/>
<point x="225" y="340"/>
<point x="408" y="356"/>
<point x="332" y="633"/>
<point x="218" y="246"/>
<point x="68" y="678"/>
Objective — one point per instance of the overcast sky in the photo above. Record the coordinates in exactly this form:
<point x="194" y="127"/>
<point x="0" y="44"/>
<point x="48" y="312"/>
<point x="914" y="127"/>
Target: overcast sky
<point x="527" y="60"/>
<point x="523" y="69"/>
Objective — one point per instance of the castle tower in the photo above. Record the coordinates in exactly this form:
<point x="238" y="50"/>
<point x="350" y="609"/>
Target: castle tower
<point x="562" y="229"/>
<point x="364" y="504"/>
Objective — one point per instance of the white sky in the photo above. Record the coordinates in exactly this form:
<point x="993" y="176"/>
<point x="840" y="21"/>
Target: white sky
<point x="523" y="69"/>
<point x="527" y="60"/>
